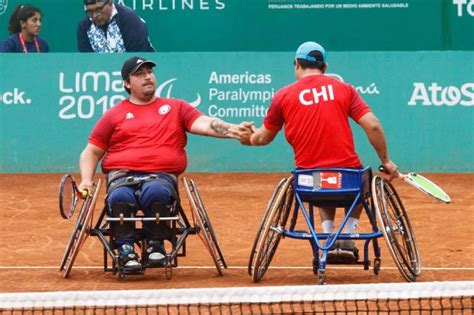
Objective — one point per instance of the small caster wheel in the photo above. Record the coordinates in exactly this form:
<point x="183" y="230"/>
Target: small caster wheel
<point x="315" y="265"/>
<point x="121" y="276"/>
<point x="366" y="265"/>
<point x="168" y="270"/>
<point x="322" y="277"/>
<point x="377" y="264"/>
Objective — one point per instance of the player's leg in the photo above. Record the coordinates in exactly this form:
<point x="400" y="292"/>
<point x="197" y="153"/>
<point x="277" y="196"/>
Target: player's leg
<point x="122" y="204"/>
<point x="347" y="250"/>
<point x="327" y="219"/>
<point x="157" y="198"/>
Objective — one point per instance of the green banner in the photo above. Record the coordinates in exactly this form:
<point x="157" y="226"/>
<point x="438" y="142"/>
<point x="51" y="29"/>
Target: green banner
<point x="50" y="102"/>
<point x="276" y="25"/>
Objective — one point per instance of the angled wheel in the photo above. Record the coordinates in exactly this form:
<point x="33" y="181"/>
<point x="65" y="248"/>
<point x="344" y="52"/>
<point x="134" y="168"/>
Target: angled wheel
<point x="205" y="230"/>
<point x="270" y="205"/>
<point x="272" y="229"/>
<point x="80" y="231"/>
<point x="396" y="228"/>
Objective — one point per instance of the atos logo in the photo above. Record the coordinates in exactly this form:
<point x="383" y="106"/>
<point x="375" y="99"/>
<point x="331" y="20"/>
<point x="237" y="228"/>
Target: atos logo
<point x="464" y="6"/>
<point x="169" y="84"/>
<point x="438" y="95"/>
<point x="3" y="6"/>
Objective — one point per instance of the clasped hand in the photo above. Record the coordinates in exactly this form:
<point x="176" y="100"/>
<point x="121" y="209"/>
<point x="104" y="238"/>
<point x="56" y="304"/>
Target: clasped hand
<point x="242" y="131"/>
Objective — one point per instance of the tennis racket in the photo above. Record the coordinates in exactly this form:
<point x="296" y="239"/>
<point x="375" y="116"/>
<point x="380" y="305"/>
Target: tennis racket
<point x="69" y="196"/>
<point x="423" y="184"/>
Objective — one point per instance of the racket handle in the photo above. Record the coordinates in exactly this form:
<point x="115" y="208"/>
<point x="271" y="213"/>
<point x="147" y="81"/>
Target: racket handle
<point x="382" y="169"/>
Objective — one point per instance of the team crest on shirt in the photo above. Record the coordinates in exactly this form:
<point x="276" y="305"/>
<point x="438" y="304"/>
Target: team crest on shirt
<point x="129" y="115"/>
<point x="164" y="109"/>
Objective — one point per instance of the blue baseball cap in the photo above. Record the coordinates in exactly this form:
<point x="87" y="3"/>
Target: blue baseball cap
<point x="305" y="49"/>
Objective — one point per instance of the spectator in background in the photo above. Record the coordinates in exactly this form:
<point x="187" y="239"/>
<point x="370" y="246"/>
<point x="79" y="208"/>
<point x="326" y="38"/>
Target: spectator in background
<point x="109" y="27"/>
<point x="25" y="26"/>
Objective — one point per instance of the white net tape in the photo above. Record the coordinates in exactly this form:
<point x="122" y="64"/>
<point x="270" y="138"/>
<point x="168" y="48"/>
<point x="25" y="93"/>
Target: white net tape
<point x="274" y="294"/>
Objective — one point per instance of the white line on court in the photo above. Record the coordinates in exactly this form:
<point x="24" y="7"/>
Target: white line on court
<point x="358" y="267"/>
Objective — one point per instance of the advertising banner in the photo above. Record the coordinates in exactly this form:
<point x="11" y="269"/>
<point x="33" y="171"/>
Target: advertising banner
<point x="275" y="25"/>
<point x="50" y="102"/>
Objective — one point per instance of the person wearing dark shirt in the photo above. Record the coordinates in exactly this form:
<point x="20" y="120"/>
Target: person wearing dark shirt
<point x="109" y="27"/>
<point x="24" y="26"/>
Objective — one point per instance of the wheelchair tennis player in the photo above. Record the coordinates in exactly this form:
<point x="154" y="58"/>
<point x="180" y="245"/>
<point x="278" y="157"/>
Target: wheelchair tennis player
<point x="315" y="111"/>
<point x="141" y="144"/>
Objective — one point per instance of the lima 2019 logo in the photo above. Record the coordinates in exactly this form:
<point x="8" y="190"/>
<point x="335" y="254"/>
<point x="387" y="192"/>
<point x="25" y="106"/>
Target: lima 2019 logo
<point x="3" y="6"/>
<point x="169" y="84"/>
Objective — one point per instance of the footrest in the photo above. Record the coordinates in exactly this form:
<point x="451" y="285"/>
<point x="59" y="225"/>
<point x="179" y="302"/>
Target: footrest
<point x="132" y="271"/>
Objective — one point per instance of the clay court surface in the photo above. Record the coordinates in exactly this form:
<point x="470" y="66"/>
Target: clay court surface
<point x="33" y="238"/>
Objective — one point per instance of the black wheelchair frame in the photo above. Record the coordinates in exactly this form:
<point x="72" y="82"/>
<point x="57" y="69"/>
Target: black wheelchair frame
<point x="179" y="226"/>
<point x="358" y="187"/>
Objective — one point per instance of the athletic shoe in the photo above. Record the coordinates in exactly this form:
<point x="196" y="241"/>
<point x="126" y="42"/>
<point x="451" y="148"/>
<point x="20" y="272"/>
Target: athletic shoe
<point x="128" y="258"/>
<point x="156" y="253"/>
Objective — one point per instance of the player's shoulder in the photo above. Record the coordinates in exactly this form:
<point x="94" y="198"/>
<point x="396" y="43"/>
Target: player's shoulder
<point x="336" y="80"/>
<point x="338" y="83"/>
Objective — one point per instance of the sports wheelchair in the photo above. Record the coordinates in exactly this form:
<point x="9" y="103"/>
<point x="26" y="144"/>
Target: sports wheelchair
<point x="175" y="223"/>
<point x="338" y="188"/>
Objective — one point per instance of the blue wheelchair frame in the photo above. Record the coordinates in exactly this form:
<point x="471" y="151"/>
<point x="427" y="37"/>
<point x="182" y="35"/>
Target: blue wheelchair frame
<point x="336" y="188"/>
<point x="354" y="190"/>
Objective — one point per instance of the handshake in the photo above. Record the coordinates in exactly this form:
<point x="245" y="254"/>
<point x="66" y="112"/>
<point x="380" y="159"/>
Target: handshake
<point x="243" y="132"/>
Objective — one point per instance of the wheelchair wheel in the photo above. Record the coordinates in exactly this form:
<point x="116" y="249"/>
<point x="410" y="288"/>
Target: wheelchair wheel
<point x="205" y="230"/>
<point x="80" y="231"/>
<point x="396" y="228"/>
<point x="272" y="229"/>
<point x="270" y="204"/>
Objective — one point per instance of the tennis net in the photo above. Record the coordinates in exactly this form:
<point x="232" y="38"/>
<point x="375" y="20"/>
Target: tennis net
<point x="405" y="298"/>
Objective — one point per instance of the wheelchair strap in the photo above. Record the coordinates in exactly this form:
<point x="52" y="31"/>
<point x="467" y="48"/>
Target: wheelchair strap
<point x="136" y="180"/>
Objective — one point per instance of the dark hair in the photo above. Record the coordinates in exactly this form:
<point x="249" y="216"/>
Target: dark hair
<point x="21" y="13"/>
<point x="318" y="64"/>
<point x="305" y="64"/>
<point x="89" y="2"/>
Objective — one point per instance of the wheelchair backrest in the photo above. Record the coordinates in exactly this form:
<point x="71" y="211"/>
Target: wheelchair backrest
<point x="332" y="187"/>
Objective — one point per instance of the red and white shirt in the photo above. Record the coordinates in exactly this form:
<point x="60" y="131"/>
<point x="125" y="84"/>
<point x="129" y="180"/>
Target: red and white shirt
<point x="315" y="111"/>
<point x="145" y="138"/>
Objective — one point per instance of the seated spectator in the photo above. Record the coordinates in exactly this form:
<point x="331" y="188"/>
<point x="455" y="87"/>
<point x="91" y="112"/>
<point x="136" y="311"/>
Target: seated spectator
<point x="109" y="27"/>
<point x="25" y="26"/>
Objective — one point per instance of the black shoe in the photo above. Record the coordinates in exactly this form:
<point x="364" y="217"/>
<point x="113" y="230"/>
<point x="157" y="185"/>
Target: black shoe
<point x="345" y="252"/>
<point x="129" y="259"/>
<point x="156" y="254"/>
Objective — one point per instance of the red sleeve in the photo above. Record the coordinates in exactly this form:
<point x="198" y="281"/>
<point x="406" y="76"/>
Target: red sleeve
<point x="358" y="107"/>
<point x="274" y="120"/>
<point x="102" y="132"/>
<point x="189" y="114"/>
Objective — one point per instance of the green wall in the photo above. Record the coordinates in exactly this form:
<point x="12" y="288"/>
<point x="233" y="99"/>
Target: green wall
<point x="50" y="102"/>
<point x="276" y="25"/>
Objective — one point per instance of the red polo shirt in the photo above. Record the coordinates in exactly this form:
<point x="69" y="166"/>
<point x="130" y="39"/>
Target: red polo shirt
<point x="315" y="111"/>
<point x="145" y="138"/>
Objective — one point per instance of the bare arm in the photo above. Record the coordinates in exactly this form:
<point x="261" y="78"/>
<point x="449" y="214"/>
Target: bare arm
<point x="215" y="127"/>
<point x="88" y="161"/>
<point x="262" y="136"/>
<point x="375" y="134"/>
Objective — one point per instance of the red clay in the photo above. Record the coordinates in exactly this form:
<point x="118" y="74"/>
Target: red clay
<point x="33" y="238"/>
